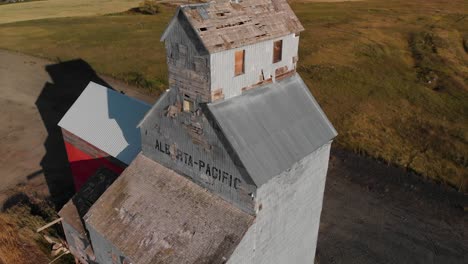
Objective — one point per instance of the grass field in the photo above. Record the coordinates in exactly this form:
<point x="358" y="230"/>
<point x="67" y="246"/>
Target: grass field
<point x="391" y="75"/>
<point x="32" y="10"/>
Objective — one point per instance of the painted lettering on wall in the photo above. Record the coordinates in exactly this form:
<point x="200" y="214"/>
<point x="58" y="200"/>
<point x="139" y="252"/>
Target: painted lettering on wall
<point x="203" y="167"/>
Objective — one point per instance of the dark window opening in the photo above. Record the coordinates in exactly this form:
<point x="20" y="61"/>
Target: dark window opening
<point x="277" y="51"/>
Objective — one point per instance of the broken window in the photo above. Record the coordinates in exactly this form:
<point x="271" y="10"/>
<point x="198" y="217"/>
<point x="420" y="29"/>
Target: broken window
<point x="277" y="51"/>
<point x="239" y="62"/>
<point x="188" y="104"/>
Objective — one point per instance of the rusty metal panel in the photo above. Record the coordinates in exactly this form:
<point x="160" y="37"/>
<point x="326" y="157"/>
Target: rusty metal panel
<point x="189" y="143"/>
<point x="259" y="65"/>
<point x="151" y="214"/>
<point x="273" y="127"/>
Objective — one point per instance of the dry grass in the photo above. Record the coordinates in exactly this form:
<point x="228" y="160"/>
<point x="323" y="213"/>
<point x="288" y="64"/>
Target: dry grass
<point x="19" y="242"/>
<point x="18" y="245"/>
<point x="392" y="76"/>
<point x="61" y="8"/>
<point x="369" y="64"/>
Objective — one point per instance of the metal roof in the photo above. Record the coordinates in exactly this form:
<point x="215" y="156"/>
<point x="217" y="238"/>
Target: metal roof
<point x="273" y="126"/>
<point x="107" y="120"/>
<point x="153" y="215"/>
<point x="223" y="24"/>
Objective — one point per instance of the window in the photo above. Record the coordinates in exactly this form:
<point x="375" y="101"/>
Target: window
<point x="277" y="51"/>
<point x="188" y="104"/>
<point x="239" y="62"/>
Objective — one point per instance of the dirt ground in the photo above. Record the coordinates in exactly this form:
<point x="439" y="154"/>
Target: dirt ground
<point x="373" y="213"/>
<point x="35" y="94"/>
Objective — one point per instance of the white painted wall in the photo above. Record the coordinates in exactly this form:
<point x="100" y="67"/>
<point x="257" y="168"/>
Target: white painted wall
<point x="258" y="57"/>
<point x="286" y="228"/>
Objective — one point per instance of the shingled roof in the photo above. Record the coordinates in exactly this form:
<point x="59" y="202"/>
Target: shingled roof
<point x="154" y="215"/>
<point x="222" y="24"/>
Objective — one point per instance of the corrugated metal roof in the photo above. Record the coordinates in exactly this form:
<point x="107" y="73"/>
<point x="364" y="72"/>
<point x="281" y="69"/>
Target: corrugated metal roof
<point x="223" y="25"/>
<point x="108" y="120"/>
<point x="273" y="127"/>
<point x="154" y="215"/>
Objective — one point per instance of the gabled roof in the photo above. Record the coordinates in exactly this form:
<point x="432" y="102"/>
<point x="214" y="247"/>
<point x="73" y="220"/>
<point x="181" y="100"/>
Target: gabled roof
<point x="153" y="215"/>
<point x="222" y="25"/>
<point x="107" y="120"/>
<point x="274" y="126"/>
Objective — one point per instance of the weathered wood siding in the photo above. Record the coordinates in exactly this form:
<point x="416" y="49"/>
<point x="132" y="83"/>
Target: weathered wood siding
<point x="288" y="215"/>
<point x="188" y="68"/>
<point x="105" y="252"/>
<point x="77" y="244"/>
<point x="188" y="143"/>
<point x="259" y="66"/>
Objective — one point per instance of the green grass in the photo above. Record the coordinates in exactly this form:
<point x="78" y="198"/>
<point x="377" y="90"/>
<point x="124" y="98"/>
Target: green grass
<point x="391" y="75"/>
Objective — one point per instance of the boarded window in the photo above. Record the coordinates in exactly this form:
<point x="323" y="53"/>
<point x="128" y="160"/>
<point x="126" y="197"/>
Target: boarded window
<point x="239" y="62"/>
<point x="277" y="51"/>
<point x="188" y="104"/>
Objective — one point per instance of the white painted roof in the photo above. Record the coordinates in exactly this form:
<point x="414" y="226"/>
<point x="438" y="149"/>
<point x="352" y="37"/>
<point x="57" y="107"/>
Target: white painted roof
<point x="107" y="120"/>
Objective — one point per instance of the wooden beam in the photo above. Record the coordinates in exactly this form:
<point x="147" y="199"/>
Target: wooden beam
<point x="49" y="225"/>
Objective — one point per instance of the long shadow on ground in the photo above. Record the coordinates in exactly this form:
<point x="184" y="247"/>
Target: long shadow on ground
<point x="69" y="79"/>
<point x="376" y="213"/>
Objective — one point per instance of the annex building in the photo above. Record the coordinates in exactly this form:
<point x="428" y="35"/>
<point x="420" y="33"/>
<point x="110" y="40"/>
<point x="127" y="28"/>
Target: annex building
<point x="228" y="166"/>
